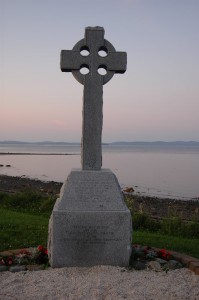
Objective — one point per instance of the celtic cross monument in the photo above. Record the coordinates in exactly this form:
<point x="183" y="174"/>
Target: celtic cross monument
<point x="113" y="62"/>
<point x="90" y="223"/>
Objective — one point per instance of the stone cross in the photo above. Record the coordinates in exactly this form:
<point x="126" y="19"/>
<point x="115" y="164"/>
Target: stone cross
<point x="93" y="53"/>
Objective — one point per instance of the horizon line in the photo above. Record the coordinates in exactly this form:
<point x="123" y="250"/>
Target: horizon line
<point x="103" y="142"/>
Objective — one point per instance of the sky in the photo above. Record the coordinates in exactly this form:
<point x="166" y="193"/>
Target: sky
<point x="156" y="99"/>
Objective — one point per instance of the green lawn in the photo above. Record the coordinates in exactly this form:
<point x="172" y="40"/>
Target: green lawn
<point x="24" y="221"/>
<point x="179" y="244"/>
<point x="21" y="230"/>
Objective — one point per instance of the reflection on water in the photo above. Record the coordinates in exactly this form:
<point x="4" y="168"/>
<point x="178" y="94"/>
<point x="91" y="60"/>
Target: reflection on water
<point x="165" y="173"/>
<point x="157" y="174"/>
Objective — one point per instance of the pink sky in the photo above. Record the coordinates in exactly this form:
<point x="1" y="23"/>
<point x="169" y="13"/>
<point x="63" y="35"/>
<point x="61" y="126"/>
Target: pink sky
<point x="156" y="99"/>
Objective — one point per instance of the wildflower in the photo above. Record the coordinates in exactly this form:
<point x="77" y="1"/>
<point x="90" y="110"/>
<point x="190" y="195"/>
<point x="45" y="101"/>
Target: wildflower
<point x="164" y="254"/>
<point x="40" y="248"/>
<point x="2" y="262"/>
<point x="9" y="261"/>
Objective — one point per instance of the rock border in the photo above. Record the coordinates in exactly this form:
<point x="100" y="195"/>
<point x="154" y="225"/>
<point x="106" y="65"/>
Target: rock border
<point x="186" y="260"/>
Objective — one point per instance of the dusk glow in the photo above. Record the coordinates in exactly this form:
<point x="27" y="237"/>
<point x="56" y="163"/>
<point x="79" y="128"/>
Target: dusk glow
<point x="156" y="99"/>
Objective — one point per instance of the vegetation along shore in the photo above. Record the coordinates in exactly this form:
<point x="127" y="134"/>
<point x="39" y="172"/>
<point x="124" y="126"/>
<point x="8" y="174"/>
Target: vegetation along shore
<point x="157" y="208"/>
<point x="26" y="205"/>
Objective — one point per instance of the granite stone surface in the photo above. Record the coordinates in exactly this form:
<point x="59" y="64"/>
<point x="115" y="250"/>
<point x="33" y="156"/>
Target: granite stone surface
<point x="113" y="62"/>
<point x="90" y="226"/>
<point x="90" y="223"/>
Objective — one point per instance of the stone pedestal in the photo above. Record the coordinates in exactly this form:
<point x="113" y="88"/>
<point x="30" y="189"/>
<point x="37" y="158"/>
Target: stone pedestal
<point x="90" y="223"/>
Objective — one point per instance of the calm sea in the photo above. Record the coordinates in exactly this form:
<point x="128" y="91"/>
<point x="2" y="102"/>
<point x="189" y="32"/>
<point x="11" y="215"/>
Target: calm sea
<point x="157" y="170"/>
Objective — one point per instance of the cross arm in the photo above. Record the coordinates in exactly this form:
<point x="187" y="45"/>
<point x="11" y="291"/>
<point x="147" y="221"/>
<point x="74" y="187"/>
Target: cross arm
<point x="116" y="61"/>
<point x="71" y="60"/>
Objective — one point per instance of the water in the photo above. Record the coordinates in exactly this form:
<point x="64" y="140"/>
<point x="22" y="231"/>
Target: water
<point x="157" y="170"/>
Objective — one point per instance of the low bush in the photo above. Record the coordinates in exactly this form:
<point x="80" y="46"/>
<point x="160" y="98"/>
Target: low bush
<point x="171" y="225"/>
<point x="142" y="221"/>
<point x="30" y="202"/>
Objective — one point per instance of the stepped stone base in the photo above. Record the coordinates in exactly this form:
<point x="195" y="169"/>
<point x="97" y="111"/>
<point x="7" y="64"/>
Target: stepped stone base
<point x="90" y="223"/>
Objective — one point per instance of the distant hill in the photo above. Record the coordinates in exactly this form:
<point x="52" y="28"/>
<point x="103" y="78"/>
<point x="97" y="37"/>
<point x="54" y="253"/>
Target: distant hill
<point x="138" y="143"/>
<point x="158" y="143"/>
<point x="37" y="143"/>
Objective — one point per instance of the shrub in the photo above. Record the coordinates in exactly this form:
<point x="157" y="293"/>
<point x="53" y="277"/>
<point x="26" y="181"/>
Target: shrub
<point x="31" y="202"/>
<point x="47" y="205"/>
<point x="142" y="221"/>
<point x="172" y="225"/>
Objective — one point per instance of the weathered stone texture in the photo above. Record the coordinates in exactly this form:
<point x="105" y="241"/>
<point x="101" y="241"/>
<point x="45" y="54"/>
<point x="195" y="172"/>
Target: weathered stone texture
<point x="90" y="228"/>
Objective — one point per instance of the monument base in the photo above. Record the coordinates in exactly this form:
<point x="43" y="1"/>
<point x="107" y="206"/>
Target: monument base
<point x="90" y="223"/>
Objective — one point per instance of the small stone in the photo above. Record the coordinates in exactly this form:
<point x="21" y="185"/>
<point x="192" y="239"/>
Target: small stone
<point x="3" y="268"/>
<point x="35" y="267"/>
<point x="123" y="270"/>
<point x="6" y="253"/>
<point x="139" y="265"/>
<point x="173" y="264"/>
<point x="129" y="190"/>
<point x="161" y="261"/>
<point x="17" y="269"/>
<point x="154" y="265"/>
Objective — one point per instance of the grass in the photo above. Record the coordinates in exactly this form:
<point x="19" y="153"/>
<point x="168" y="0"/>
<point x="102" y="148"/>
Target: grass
<point x="168" y="226"/>
<point x="169" y="242"/>
<point x="22" y="230"/>
<point x="28" y="202"/>
<point x="24" y="221"/>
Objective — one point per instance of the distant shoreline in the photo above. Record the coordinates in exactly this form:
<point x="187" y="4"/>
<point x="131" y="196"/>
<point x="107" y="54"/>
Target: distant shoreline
<point x="117" y="143"/>
<point x="32" y="153"/>
<point x="157" y="208"/>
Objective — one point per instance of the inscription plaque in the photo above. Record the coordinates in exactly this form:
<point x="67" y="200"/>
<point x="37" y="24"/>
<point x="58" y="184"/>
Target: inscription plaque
<point x="91" y="190"/>
<point x="92" y="238"/>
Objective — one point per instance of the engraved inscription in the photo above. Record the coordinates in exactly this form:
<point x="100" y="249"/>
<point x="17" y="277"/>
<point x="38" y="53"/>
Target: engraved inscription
<point x="98" y="191"/>
<point x="94" y="190"/>
<point x="91" y="234"/>
<point x="91" y="191"/>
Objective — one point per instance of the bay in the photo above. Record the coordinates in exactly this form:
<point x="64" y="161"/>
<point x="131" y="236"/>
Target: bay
<point x="162" y="170"/>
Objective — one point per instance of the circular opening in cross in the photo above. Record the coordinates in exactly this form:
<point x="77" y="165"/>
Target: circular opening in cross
<point x="84" y="69"/>
<point x="102" y="70"/>
<point x="103" y="51"/>
<point x="84" y="51"/>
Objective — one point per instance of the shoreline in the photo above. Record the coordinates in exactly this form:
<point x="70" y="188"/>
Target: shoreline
<point x="35" y="153"/>
<point x="16" y="184"/>
<point x="157" y="208"/>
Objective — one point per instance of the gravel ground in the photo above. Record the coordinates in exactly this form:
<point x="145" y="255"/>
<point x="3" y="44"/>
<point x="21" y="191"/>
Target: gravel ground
<point x="99" y="283"/>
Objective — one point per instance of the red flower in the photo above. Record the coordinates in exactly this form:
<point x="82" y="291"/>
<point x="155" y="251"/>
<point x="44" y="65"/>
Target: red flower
<point x="40" y="248"/>
<point x="10" y="261"/>
<point x="164" y="254"/>
<point x="46" y="251"/>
